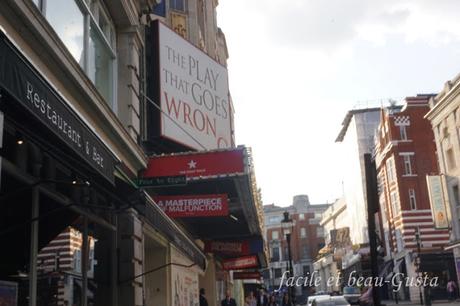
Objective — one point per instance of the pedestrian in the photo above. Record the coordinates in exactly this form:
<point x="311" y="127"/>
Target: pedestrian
<point x="451" y="290"/>
<point x="286" y="301"/>
<point x="203" y="300"/>
<point x="262" y="299"/>
<point x="272" y="301"/>
<point x="251" y="299"/>
<point x="228" y="301"/>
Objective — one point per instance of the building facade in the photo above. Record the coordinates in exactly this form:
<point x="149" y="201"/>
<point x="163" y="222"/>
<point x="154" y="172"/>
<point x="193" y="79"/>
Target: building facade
<point x="328" y="263"/>
<point x="356" y="138"/>
<point x="307" y="238"/>
<point x="405" y="155"/>
<point x="444" y="118"/>
<point x="73" y="114"/>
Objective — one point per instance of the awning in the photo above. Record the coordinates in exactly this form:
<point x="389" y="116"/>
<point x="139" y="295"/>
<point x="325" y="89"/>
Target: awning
<point x="160" y="221"/>
<point x="452" y="245"/>
<point x="208" y="175"/>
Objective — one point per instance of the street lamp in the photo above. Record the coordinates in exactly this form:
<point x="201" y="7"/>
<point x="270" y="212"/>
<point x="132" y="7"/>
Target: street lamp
<point x="287" y="226"/>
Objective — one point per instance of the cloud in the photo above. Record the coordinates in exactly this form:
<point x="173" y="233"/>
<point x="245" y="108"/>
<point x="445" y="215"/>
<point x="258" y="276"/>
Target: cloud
<point x="330" y="25"/>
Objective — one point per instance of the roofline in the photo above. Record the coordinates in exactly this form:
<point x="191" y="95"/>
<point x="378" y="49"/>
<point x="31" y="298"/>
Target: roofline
<point x="346" y="121"/>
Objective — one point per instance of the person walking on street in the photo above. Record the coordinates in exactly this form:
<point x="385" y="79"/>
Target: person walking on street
<point x="252" y="299"/>
<point x="286" y="300"/>
<point x="272" y="301"/>
<point x="228" y="301"/>
<point x="203" y="300"/>
<point x="262" y="299"/>
<point x="451" y="290"/>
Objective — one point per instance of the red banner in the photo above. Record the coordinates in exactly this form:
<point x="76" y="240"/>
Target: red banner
<point x="206" y="205"/>
<point x="227" y="247"/>
<point x="240" y="263"/>
<point x="197" y="164"/>
<point x="247" y="275"/>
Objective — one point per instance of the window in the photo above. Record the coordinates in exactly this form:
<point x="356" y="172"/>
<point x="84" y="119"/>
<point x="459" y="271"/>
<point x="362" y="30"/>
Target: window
<point x="178" y="5"/>
<point x="402" y="132"/>
<point x="306" y="270"/>
<point x="303" y="232"/>
<point x="394" y="204"/>
<point x="301" y="216"/>
<point x="456" y="195"/>
<point x="89" y="35"/>
<point x="278" y="272"/>
<point x="275" y="235"/>
<point x="275" y="254"/>
<point x="286" y="253"/>
<point x="305" y="251"/>
<point x="318" y="215"/>
<point x="412" y="201"/>
<point x="390" y="165"/>
<point x="407" y="165"/>
<point x="451" y="164"/>
<point x="320" y="232"/>
<point x="274" y="219"/>
<point x="77" y="261"/>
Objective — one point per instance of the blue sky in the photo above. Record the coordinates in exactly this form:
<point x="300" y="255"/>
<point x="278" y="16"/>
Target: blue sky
<point x="296" y="67"/>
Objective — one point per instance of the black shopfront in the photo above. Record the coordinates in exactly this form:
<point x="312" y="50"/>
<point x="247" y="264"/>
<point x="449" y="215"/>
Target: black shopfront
<point x="57" y="175"/>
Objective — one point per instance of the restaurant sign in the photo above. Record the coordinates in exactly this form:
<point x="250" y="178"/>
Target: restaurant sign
<point x="21" y="80"/>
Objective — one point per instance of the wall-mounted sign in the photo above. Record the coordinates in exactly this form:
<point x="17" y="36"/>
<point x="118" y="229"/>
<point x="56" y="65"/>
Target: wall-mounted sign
<point x="243" y="247"/>
<point x="30" y="89"/>
<point x="437" y="201"/>
<point x="240" y="263"/>
<point x="247" y="275"/>
<point x="193" y="93"/>
<point x="197" y="164"/>
<point x="206" y="205"/>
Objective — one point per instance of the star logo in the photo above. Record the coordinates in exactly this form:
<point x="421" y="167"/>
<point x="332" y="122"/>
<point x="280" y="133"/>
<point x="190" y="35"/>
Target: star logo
<point x="192" y="164"/>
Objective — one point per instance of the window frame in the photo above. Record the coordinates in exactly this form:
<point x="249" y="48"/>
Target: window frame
<point x="174" y="6"/>
<point x="403" y="133"/>
<point x="91" y="23"/>
<point x="303" y="232"/>
<point x="320" y="232"/>
<point x="407" y="164"/>
<point x="396" y="209"/>
<point x="390" y="169"/>
<point x="412" y="199"/>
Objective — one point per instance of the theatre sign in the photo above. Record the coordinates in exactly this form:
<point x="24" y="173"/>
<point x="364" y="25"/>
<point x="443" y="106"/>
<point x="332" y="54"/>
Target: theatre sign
<point x="192" y="90"/>
<point x="209" y="205"/>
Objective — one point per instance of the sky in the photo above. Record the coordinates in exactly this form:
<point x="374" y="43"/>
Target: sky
<point x="296" y="67"/>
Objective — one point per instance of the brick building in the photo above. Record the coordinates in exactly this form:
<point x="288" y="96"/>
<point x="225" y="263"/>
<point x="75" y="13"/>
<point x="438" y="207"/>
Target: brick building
<point x="405" y="155"/>
<point x="307" y="238"/>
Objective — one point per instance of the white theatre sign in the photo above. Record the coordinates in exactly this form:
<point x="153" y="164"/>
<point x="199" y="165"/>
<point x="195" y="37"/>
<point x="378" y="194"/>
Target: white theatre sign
<point x="194" y="94"/>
